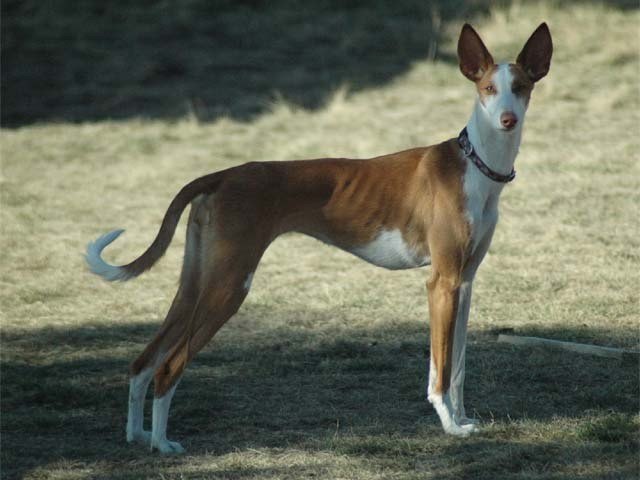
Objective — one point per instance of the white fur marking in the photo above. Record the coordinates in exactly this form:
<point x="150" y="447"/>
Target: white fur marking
<point x="191" y="252"/>
<point x="97" y="265"/>
<point x="496" y="147"/>
<point x="459" y="353"/>
<point x="504" y="100"/>
<point x="433" y="374"/>
<point x="138" y="385"/>
<point x="481" y="204"/>
<point x="247" y="282"/>
<point x="444" y="408"/>
<point x="159" y="426"/>
<point x="389" y="250"/>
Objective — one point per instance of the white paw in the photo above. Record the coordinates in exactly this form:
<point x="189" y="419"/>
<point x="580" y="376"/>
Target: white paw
<point x="468" y="421"/>
<point x="450" y="422"/>
<point x="461" y="430"/>
<point x="142" y="437"/>
<point x="470" y="428"/>
<point x="167" y="447"/>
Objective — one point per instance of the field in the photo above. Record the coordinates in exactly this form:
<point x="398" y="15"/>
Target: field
<point x="322" y="373"/>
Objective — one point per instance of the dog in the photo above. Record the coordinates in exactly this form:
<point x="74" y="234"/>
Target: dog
<point x="435" y="205"/>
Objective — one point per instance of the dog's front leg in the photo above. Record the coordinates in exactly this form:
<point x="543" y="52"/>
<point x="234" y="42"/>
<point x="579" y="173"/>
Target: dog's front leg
<point x="459" y="354"/>
<point x="462" y="320"/>
<point x="444" y="295"/>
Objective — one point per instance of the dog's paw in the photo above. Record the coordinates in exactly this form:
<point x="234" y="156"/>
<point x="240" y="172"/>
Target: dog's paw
<point x="470" y="428"/>
<point x="167" y="447"/>
<point x="468" y="421"/>
<point x="461" y="430"/>
<point x="142" y="437"/>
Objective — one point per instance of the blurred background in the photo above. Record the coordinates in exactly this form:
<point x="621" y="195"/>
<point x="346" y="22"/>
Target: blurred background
<point x="66" y="60"/>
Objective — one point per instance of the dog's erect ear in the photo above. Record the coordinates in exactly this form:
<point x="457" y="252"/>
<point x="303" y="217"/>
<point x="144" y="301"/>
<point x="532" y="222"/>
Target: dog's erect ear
<point x="473" y="56"/>
<point x="535" y="57"/>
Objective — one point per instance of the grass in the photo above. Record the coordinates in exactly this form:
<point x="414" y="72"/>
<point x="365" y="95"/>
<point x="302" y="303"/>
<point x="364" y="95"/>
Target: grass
<point x="217" y="58"/>
<point x="322" y="372"/>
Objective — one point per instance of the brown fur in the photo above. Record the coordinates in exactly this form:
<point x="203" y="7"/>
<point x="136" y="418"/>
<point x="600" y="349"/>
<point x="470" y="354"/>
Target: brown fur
<point x="484" y="82"/>
<point x="352" y="204"/>
<point x="535" y="57"/>
<point x="475" y="61"/>
<point x="238" y="212"/>
<point x="522" y="84"/>
<point x="345" y="202"/>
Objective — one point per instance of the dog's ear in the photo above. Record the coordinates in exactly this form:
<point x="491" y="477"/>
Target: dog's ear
<point x="535" y="57"/>
<point x="473" y="56"/>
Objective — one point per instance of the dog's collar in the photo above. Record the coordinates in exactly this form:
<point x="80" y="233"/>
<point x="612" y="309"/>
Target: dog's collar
<point x="470" y="153"/>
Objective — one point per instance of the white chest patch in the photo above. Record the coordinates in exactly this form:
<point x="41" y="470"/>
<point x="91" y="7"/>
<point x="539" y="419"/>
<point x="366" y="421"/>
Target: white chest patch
<point x="389" y="250"/>
<point x="481" y="204"/>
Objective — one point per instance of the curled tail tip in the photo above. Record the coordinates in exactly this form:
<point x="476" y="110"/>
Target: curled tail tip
<point x="97" y="265"/>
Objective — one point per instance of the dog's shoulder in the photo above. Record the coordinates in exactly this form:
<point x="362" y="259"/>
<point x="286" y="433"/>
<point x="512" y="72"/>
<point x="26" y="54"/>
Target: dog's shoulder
<point x="443" y="163"/>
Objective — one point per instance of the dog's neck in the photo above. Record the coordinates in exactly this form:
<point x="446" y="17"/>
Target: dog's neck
<point x="497" y="148"/>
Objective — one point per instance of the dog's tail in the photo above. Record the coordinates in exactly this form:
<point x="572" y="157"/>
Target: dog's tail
<point x="206" y="184"/>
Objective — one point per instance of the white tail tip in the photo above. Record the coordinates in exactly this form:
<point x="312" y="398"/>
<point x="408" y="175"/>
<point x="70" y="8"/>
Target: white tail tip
<point x="95" y="262"/>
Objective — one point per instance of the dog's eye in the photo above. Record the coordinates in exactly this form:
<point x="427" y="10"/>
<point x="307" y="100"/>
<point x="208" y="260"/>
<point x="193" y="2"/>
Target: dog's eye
<point x="490" y="89"/>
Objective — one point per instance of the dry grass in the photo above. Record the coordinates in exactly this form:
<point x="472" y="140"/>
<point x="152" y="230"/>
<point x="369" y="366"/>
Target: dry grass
<point x="322" y="372"/>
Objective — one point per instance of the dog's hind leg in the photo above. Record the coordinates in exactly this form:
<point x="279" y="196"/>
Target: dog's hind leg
<point x="220" y="298"/>
<point x="143" y="368"/>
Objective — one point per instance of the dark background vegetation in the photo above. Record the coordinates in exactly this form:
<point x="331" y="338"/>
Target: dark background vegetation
<point x="69" y="60"/>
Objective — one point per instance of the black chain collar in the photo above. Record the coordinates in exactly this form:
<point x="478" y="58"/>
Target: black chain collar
<point x="470" y="153"/>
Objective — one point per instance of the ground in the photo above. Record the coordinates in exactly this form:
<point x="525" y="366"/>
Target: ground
<point x="322" y="373"/>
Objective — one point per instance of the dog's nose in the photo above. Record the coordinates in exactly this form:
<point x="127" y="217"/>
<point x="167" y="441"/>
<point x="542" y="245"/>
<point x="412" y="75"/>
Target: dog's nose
<point x="508" y="120"/>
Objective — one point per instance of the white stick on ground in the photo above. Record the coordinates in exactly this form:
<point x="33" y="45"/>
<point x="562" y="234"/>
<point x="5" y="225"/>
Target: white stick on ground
<point x="583" y="348"/>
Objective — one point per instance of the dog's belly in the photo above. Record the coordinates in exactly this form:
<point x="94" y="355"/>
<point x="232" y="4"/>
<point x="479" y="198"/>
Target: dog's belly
<point x="389" y="250"/>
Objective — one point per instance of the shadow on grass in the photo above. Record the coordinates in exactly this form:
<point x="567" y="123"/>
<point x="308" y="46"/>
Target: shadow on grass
<point x="489" y="458"/>
<point x="357" y="392"/>
<point x="95" y="60"/>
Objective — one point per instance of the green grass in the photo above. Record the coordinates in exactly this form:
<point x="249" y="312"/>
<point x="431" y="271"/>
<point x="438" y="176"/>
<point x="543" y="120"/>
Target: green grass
<point x="322" y="372"/>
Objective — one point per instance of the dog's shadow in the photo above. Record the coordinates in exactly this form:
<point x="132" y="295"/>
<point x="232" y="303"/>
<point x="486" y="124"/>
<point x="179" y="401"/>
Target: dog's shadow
<point x="279" y="387"/>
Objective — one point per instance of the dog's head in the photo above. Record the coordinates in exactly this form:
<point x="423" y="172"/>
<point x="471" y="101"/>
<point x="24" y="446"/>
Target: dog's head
<point x="504" y="89"/>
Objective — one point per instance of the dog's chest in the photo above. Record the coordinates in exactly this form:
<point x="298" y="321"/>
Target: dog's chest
<point x="481" y="204"/>
<point x="389" y="250"/>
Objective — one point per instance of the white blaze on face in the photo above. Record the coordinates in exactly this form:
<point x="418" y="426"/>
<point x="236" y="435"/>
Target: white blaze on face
<point x="504" y="100"/>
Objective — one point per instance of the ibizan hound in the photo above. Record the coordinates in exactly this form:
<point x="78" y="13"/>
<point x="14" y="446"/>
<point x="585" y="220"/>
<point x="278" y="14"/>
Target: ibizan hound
<point x="434" y="205"/>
